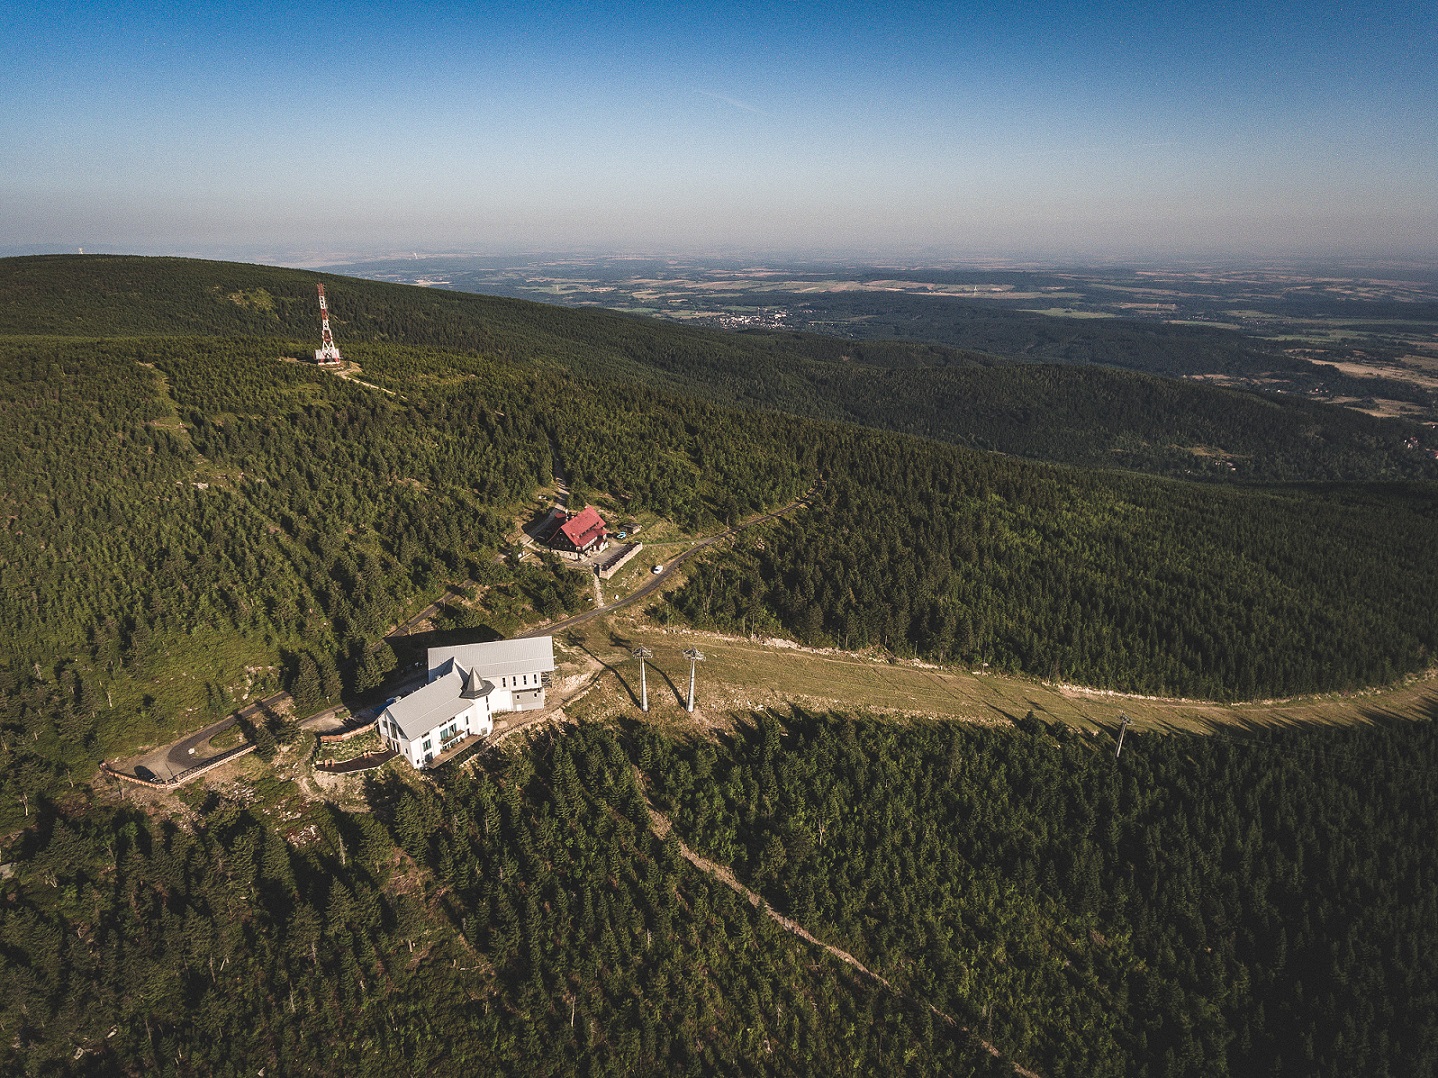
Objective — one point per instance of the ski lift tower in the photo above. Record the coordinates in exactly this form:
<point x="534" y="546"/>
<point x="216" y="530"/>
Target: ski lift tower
<point x="642" y="653"/>
<point x="327" y="354"/>
<point x="695" y="656"/>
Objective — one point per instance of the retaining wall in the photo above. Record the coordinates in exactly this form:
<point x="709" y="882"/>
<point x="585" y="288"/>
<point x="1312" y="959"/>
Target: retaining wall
<point x="612" y="567"/>
<point x="368" y="762"/>
<point x="345" y="735"/>
<point x="185" y="775"/>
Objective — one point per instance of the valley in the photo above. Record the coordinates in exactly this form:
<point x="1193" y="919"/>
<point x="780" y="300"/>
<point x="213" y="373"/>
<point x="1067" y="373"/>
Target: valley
<point x="1272" y="328"/>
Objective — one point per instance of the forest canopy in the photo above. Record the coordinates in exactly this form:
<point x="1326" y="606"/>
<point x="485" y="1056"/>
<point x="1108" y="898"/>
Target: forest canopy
<point x="189" y="518"/>
<point x="1041" y="402"/>
<point x="192" y="517"/>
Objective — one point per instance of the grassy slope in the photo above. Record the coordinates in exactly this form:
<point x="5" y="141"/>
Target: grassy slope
<point x="742" y="675"/>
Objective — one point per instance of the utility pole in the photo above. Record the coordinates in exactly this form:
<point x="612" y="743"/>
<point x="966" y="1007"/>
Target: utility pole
<point x="695" y="656"/>
<point x="642" y="653"/>
<point x="1123" y="724"/>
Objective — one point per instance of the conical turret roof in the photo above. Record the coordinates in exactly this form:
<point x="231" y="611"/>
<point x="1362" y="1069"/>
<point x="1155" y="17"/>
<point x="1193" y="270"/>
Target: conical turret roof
<point x="474" y="686"/>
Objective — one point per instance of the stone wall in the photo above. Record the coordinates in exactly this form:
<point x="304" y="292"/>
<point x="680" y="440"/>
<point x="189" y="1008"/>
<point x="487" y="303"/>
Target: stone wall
<point x="345" y="735"/>
<point x="617" y="560"/>
<point x="185" y="775"/>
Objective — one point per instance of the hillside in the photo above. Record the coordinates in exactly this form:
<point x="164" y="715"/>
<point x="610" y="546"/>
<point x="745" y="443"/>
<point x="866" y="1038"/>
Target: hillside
<point x="192" y="519"/>
<point x="1200" y="906"/>
<point x="1354" y="341"/>
<point x="1095" y="417"/>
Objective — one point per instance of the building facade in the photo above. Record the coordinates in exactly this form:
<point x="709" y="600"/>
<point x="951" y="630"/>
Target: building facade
<point x="437" y="717"/>
<point x="468" y="685"/>
<point x="583" y="533"/>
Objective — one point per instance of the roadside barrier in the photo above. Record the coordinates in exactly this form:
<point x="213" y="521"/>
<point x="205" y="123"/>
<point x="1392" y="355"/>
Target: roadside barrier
<point x="184" y="776"/>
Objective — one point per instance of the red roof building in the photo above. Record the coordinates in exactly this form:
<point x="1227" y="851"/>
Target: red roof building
<point x="582" y="532"/>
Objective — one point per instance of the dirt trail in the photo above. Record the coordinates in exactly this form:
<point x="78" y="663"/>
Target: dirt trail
<point x="662" y="826"/>
<point x="661" y="579"/>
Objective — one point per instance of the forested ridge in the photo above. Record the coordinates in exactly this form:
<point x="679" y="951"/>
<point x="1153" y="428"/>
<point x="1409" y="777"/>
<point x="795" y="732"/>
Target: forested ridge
<point x="1254" y="904"/>
<point x="183" y="514"/>
<point x="1092" y="416"/>
<point x="188" y="516"/>
<point x="1139" y="584"/>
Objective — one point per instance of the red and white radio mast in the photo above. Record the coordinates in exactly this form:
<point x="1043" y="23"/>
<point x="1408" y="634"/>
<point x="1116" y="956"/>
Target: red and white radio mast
<point x="327" y="352"/>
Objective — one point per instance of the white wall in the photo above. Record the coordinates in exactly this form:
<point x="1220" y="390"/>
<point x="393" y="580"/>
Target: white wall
<point x="476" y="719"/>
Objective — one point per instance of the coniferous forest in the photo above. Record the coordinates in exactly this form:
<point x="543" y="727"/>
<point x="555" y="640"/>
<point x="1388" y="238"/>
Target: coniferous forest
<point x="192" y="517"/>
<point x="1199" y="906"/>
<point x="1148" y="586"/>
<point x="1219" y="905"/>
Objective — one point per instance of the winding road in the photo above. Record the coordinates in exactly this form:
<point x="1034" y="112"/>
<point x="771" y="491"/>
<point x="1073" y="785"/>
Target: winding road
<point x="168" y="761"/>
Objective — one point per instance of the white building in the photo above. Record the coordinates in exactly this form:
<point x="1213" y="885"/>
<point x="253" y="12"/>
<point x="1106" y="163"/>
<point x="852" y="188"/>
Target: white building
<point x="517" y="670"/>
<point x="468" y="685"/>
<point x="430" y="720"/>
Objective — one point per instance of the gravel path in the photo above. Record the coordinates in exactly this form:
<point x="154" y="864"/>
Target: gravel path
<point x="662" y="826"/>
<point x="660" y="579"/>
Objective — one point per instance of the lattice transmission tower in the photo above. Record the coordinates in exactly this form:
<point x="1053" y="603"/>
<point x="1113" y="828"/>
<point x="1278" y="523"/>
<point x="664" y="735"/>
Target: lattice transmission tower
<point x="327" y="352"/>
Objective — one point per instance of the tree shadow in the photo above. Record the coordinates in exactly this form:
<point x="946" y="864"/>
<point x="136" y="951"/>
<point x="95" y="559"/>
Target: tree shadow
<point x="583" y="646"/>
<point x="679" y="696"/>
<point x="416" y="644"/>
<point x="269" y="717"/>
<point x="541" y="527"/>
<point x="1006" y="714"/>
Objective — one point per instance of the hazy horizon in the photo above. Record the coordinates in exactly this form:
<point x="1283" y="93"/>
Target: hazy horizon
<point x="1061" y="132"/>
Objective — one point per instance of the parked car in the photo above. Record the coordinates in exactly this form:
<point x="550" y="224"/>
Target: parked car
<point x="657" y="570"/>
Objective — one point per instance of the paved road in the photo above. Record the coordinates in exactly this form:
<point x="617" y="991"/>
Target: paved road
<point x="169" y="760"/>
<point x="658" y="581"/>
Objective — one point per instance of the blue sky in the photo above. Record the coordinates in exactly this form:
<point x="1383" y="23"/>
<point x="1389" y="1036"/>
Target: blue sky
<point x="898" y="129"/>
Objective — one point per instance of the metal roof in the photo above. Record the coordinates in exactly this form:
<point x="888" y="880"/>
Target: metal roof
<point x="498" y="658"/>
<point x="431" y="706"/>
